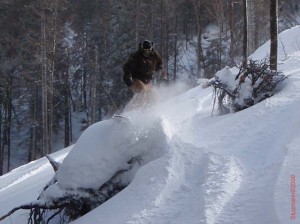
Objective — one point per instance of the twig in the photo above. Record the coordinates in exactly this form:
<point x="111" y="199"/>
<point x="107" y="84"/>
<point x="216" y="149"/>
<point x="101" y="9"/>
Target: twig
<point x="214" y="103"/>
<point x="33" y="206"/>
<point x="55" y="165"/>
<point x="55" y="214"/>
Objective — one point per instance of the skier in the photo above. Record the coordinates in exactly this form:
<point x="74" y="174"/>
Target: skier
<point x="140" y="67"/>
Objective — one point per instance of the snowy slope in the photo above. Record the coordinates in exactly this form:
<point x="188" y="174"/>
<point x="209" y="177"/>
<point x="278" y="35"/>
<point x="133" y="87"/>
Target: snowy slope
<point x="226" y="169"/>
<point x="24" y="184"/>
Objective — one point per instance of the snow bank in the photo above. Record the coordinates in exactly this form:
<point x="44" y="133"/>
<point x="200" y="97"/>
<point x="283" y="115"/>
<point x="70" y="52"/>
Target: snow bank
<point x="96" y="156"/>
<point x="105" y="148"/>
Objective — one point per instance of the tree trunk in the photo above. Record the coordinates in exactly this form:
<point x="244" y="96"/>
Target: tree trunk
<point x="162" y="27"/>
<point x="164" y="33"/>
<point x="9" y="119"/>
<point x="151" y="19"/>
<point x="51" y="87"/>
<point x="45" y="147"/>
<point x="67" y="110"/>
<point x="245" y="38"/>
<point x="137" y="22"/>
<point x="71" y="127"/>
<point x="251" y="27"/>
<point x="273" y="34"/>
<point x="1" y="142"/>
<point x="197" y="6"/>
<point x="175" y="57"/>
<point x="36" y="122"/>
<point x="93" y="87"/>
<point x="84" y="100"/>
<point x="220" y="51"/>
<point x="186" y="23"/>
<point x="30" y="149"/>
<point x="257" y="25"/>
<point x="84" y="89"/>
<point x="33" y="141"/>
<point x="232" y="33"/>
<point x="4" y="131"/>
<point x="175" y="48"/>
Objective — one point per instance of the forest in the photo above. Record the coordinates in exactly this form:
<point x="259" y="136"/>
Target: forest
<point x="61" y="57"/>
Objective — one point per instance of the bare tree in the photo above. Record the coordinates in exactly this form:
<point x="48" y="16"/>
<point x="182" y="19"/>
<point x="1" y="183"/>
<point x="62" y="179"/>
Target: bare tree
<point x="44" y="70"/>
<point x="218" y="14"/>
<point x="245" y="32"/>
<point x="231" y="23"/>
<point x="1" y="149"/>
<point x="273" y="34"/>
<point x="197" y="7"/>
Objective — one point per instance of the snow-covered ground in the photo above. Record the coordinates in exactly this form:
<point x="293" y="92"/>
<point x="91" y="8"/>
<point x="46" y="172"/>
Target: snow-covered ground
<point x="238" y="168"/>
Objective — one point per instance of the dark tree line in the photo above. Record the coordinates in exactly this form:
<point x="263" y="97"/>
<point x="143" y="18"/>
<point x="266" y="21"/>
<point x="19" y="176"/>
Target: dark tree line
<point x="62" y="56"/>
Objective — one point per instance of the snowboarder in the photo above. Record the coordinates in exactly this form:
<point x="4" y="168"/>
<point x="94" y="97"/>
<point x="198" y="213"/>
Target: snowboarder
<point x="140" y="67"/>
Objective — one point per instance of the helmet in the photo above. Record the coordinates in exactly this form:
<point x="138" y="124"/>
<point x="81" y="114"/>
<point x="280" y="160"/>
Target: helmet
<point x="147" y="47"/>
<point x="146" y="44"/>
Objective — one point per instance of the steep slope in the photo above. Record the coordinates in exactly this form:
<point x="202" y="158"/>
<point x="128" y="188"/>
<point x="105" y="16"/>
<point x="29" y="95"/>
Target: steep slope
<point x="226" y="169"/>
<point x="24" y="184"/>
<point x="216" y="170"/>
<point x="229" y="169"/>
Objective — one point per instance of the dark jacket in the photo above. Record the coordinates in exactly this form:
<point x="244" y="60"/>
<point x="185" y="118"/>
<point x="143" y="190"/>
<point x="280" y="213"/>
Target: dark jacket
<point x="141" y="67"/>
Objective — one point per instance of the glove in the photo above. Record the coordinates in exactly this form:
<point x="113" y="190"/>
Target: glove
<point x="128" y="82"/>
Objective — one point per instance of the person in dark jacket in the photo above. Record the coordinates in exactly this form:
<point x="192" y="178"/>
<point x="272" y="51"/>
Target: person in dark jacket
<point x="140" y="67"/>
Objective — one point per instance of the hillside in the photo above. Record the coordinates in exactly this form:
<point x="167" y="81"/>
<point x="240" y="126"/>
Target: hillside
<point x="235" y="168"/>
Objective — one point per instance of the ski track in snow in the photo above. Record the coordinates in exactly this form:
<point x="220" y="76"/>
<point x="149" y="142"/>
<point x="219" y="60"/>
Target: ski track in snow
<point x="260" y="181"/>
<point x="223" y="180"/>
<point x="229" y="180"/>
<point x="290" y="167"/>
<point x="180" y="196"/>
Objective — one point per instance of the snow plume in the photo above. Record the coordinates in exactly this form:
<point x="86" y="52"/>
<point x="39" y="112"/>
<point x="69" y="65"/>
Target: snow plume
<point x="165" y="92"/>
<point x="158" y="107"/>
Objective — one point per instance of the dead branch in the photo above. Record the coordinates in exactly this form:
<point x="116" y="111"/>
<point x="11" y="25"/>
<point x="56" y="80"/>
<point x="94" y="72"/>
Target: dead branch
<point x="55" y="165"/>
<point x="263" y="81"/>
<point x="33" y="206"/>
